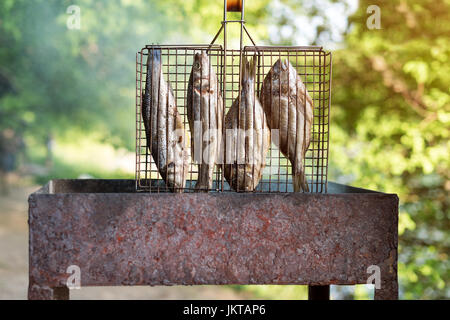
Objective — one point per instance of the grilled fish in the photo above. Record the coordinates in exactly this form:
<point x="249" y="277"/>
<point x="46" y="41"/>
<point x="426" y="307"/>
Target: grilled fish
<point x="289" y="108"/>
<point x="163" y="126"/>
<point x="247" y="135"/>
<point x="205" y="112"/>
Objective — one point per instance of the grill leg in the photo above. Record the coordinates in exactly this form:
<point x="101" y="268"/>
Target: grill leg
<point x="318" y="292"/>
<point x="37" y="292"/>
<point x="389" y="281"/>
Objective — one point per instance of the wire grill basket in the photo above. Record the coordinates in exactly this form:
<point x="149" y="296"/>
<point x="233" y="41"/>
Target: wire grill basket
<point x="312" y="64"/>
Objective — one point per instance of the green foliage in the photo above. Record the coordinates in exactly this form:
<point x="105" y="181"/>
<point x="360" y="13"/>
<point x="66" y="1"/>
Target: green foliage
<point x="64" y="78"/>
<point x="53" y="78"/>
<point x="390" y="129"/>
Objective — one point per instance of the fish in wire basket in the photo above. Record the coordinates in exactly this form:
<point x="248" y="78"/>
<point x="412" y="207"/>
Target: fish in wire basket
<point x="205" y="112"/>
<point x="247" y="137"/>
<point x="164" y="126"/>
<point x="289" y="109"/>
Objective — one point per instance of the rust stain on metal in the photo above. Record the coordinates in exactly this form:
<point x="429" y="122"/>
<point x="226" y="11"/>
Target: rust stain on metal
<point x="187" y="239"/>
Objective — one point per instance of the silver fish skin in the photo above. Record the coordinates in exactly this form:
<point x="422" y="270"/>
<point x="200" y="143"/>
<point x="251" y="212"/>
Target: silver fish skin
<point x="246" y="149"/>
<point x="205" y="112"/>
<point x="164" y="126"/>
<point x="289" y="108"/>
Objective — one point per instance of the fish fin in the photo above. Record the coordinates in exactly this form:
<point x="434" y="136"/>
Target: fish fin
<point x="143" y="105"/>
<point x="244" y="71"/>
<point x="252" y="67"/>
<point x="169" y="84"/>
<point x="154" y="74"/>
<point x="201" y="187"/>
<point x="300" y="183"/>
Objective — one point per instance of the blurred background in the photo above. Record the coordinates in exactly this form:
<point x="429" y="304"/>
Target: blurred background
<point x="67" y="110"/>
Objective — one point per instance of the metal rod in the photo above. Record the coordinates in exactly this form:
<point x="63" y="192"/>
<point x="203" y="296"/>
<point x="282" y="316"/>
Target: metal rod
<point x="328" y="122"/>
<point x="214" y="40"/>
<point x="224" y="84"/>
<point x="249" y="36"/>
<point x="138" y="116"/>
<point x="240" y="101"/>
<point x="318" y="292"/>
<point x="234" y="21"/>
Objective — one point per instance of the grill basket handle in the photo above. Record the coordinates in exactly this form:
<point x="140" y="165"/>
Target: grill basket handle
<point x="234" y="5"/>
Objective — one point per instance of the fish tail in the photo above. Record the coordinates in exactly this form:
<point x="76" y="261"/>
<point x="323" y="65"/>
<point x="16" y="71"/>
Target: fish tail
<point x="153" y="60"/>
<point x="153" y="68"/>
<point x="155" y="54"/>
<point x="300" y="183"/>
<point x="249" y="70"/>
<point x="169" y="85"/>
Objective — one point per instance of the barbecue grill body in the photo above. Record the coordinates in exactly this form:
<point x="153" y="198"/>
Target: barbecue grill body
<point x="117" y="236"/>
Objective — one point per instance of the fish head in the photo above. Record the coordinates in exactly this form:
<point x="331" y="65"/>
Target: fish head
<point x="201" y="66"/>
<point x="282" y="76"/>
<point x="274" y="74"/>
<point x="176" y="169"/>
<point x="281" y="65"/>
<point x="272" y="80"/>
<point x="172" y="174"/>
<point x="202" y="75"/>
<point x="175" y="175"/>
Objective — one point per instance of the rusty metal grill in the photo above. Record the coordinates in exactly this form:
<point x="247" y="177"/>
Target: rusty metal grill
<point x="313" y="65"/>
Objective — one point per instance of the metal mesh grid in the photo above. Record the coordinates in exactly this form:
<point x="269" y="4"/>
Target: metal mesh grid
<point x="312" y="64"/>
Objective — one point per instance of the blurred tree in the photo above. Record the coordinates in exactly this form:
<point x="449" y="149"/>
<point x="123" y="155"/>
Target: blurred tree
<point x="66" y="78"/>
<point x="53" y="78"/>
<point x="319" y="22"/>
<point x="68" y="82"/>
<point x="391" y="114"/>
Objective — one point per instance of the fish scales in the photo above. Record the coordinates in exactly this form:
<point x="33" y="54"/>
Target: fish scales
<point x="164" y="126"/>
<point x="289" y="109"/>
<point x="247" y="135"/>
<point x="205" y="111"/>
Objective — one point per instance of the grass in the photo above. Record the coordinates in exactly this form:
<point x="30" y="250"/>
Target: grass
<point x="274" y="292"/>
